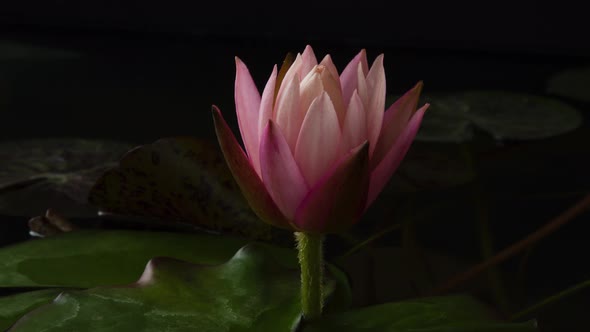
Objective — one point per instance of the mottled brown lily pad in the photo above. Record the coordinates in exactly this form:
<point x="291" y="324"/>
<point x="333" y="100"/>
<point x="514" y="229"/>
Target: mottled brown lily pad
<point x="180" y="179"/>
<point x="40" y="173"/>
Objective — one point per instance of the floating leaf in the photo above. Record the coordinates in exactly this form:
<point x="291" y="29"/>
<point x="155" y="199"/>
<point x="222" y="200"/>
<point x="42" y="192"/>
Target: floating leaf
<point x="57" y="173"/>
<point x="12" y="50"/>
<point x="250" y="292"/>
<point x="572" y="83"/>
<point x="84" y="259"/>
<point x="516" y="116"/>
<point x="503" y="115"/>
<point x="178" y="179"/>
<point x="437" y="314"/>
<point x="12" y="307"/>
<point x="430" y="167"/>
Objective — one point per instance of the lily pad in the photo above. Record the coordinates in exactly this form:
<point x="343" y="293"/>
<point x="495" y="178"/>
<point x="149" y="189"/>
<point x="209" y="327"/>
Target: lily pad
<point x="12" y="50"/>
<point x="84" y="259"/>
<point x="572" y="83"/>
<point x="180" y="179"/>
<point x="37" y="174"/>
<point x="14" y="306"/>
<point x="437" y="314"/>
<point x="250" y="292"/>
<point x="503" y="115"/>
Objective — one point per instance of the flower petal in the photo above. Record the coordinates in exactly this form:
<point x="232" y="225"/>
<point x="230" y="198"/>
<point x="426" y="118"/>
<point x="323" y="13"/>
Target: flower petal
<point x="329" y="64"/>
<point x="385" y="169"/>
<point x="280" y="172"/>
<point x="287" y="112"/>
<point x="348" y="78"/>
<point x="395" y="120"/>
<point x="311" y="87"/>
<point x="354" y="130"/>
<point x="319" y="139"/>
<point x="337" y="201"/>
<point x="309" y="61"/>
<point x="249" y="182"/>
<point x="247" y="100"/>
<point x="376" y="107"/>
<point x="332" y="87"/>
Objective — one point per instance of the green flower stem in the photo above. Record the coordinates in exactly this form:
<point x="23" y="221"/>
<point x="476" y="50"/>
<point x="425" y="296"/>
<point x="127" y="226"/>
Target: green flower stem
<point x="311" y="258"/>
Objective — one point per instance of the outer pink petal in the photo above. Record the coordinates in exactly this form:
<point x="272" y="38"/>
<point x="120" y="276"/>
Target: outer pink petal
<point x="338" y="200"/>
<point x="265" y="113"/>
<point x="354" y="130"/>
<point x="376" y="108"/>
<point x="280" y="172"/>
<point x="287" y="112"/>
<point x="250" y="184"/>
<point x="385" y="169"/>
<point x="348" y="78"/>
<point x="309" y="61"/>
<point x="395" y="120"/>
<point x="247" y="100"/>
<point x="319" y="139"/>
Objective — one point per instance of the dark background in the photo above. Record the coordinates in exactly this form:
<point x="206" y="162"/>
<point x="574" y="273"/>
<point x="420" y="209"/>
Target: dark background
<point x="141" y="70"/>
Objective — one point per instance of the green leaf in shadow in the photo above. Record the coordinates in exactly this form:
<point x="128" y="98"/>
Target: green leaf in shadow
<point x="437" y="314"/>
<point x="12" y="307"/>
<point x="250" y="292"/>
<point x="572" y="83"/>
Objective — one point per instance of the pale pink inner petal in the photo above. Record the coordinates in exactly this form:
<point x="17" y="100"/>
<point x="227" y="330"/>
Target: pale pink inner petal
<point x="280" y="172"/>
<point x="329" y="64"/>
<point x="287" y="115"/>
<point x="376" y="88"/>
<point x="311" y="87"/>
<point x="354" y="131"/>
<point x="348" y="78"/>
<point x="247" y="99"/>
<point x="309" y="61"/>
<point x="332" y="87"/>
<point x="362" y="88"/>
<point x="266" y="107"/>
<point x="317" y="145"/>
<point x="383" y="172"/>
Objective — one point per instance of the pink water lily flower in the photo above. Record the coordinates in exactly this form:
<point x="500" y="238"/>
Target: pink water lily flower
<point x="320" y="151"/>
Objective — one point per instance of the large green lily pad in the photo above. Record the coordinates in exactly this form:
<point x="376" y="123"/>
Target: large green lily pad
<point x="572" y="83"/>
<point x="503" y="115"/>
<point x="438" y="314"/>
<point x="180" y="179"/>
<point x="38" y="174"/>
<point x="93" y="258"/>
<point x="250" y="292"/>
<point x="14" y="306"/>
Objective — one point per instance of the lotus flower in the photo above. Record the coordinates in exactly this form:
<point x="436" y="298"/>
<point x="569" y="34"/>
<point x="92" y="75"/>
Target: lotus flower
<point x="319" y="152"/>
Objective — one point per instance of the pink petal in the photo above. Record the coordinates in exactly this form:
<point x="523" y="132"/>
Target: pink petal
<point x="348" y="78"/>
<point x="338" y="199"/>
<point x="311" y="87"/>
<point x="266" y="107"/>
<point x="354" y="130"/>
<point x="332" y="87"/>
<point x="394" y="122"/>
<point x="376" y="90"/>
<point x="329" y="64"/>
<point x="362" y="89"/>
<point x="287" y="112"/>
<point x="319" y="139"/>
<point x="280" y="172"/>
<point x="247" y="100"/>
<point x="309" y="61"/>
<point x="249" y="182"/>
<point x="385" y="169"/>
